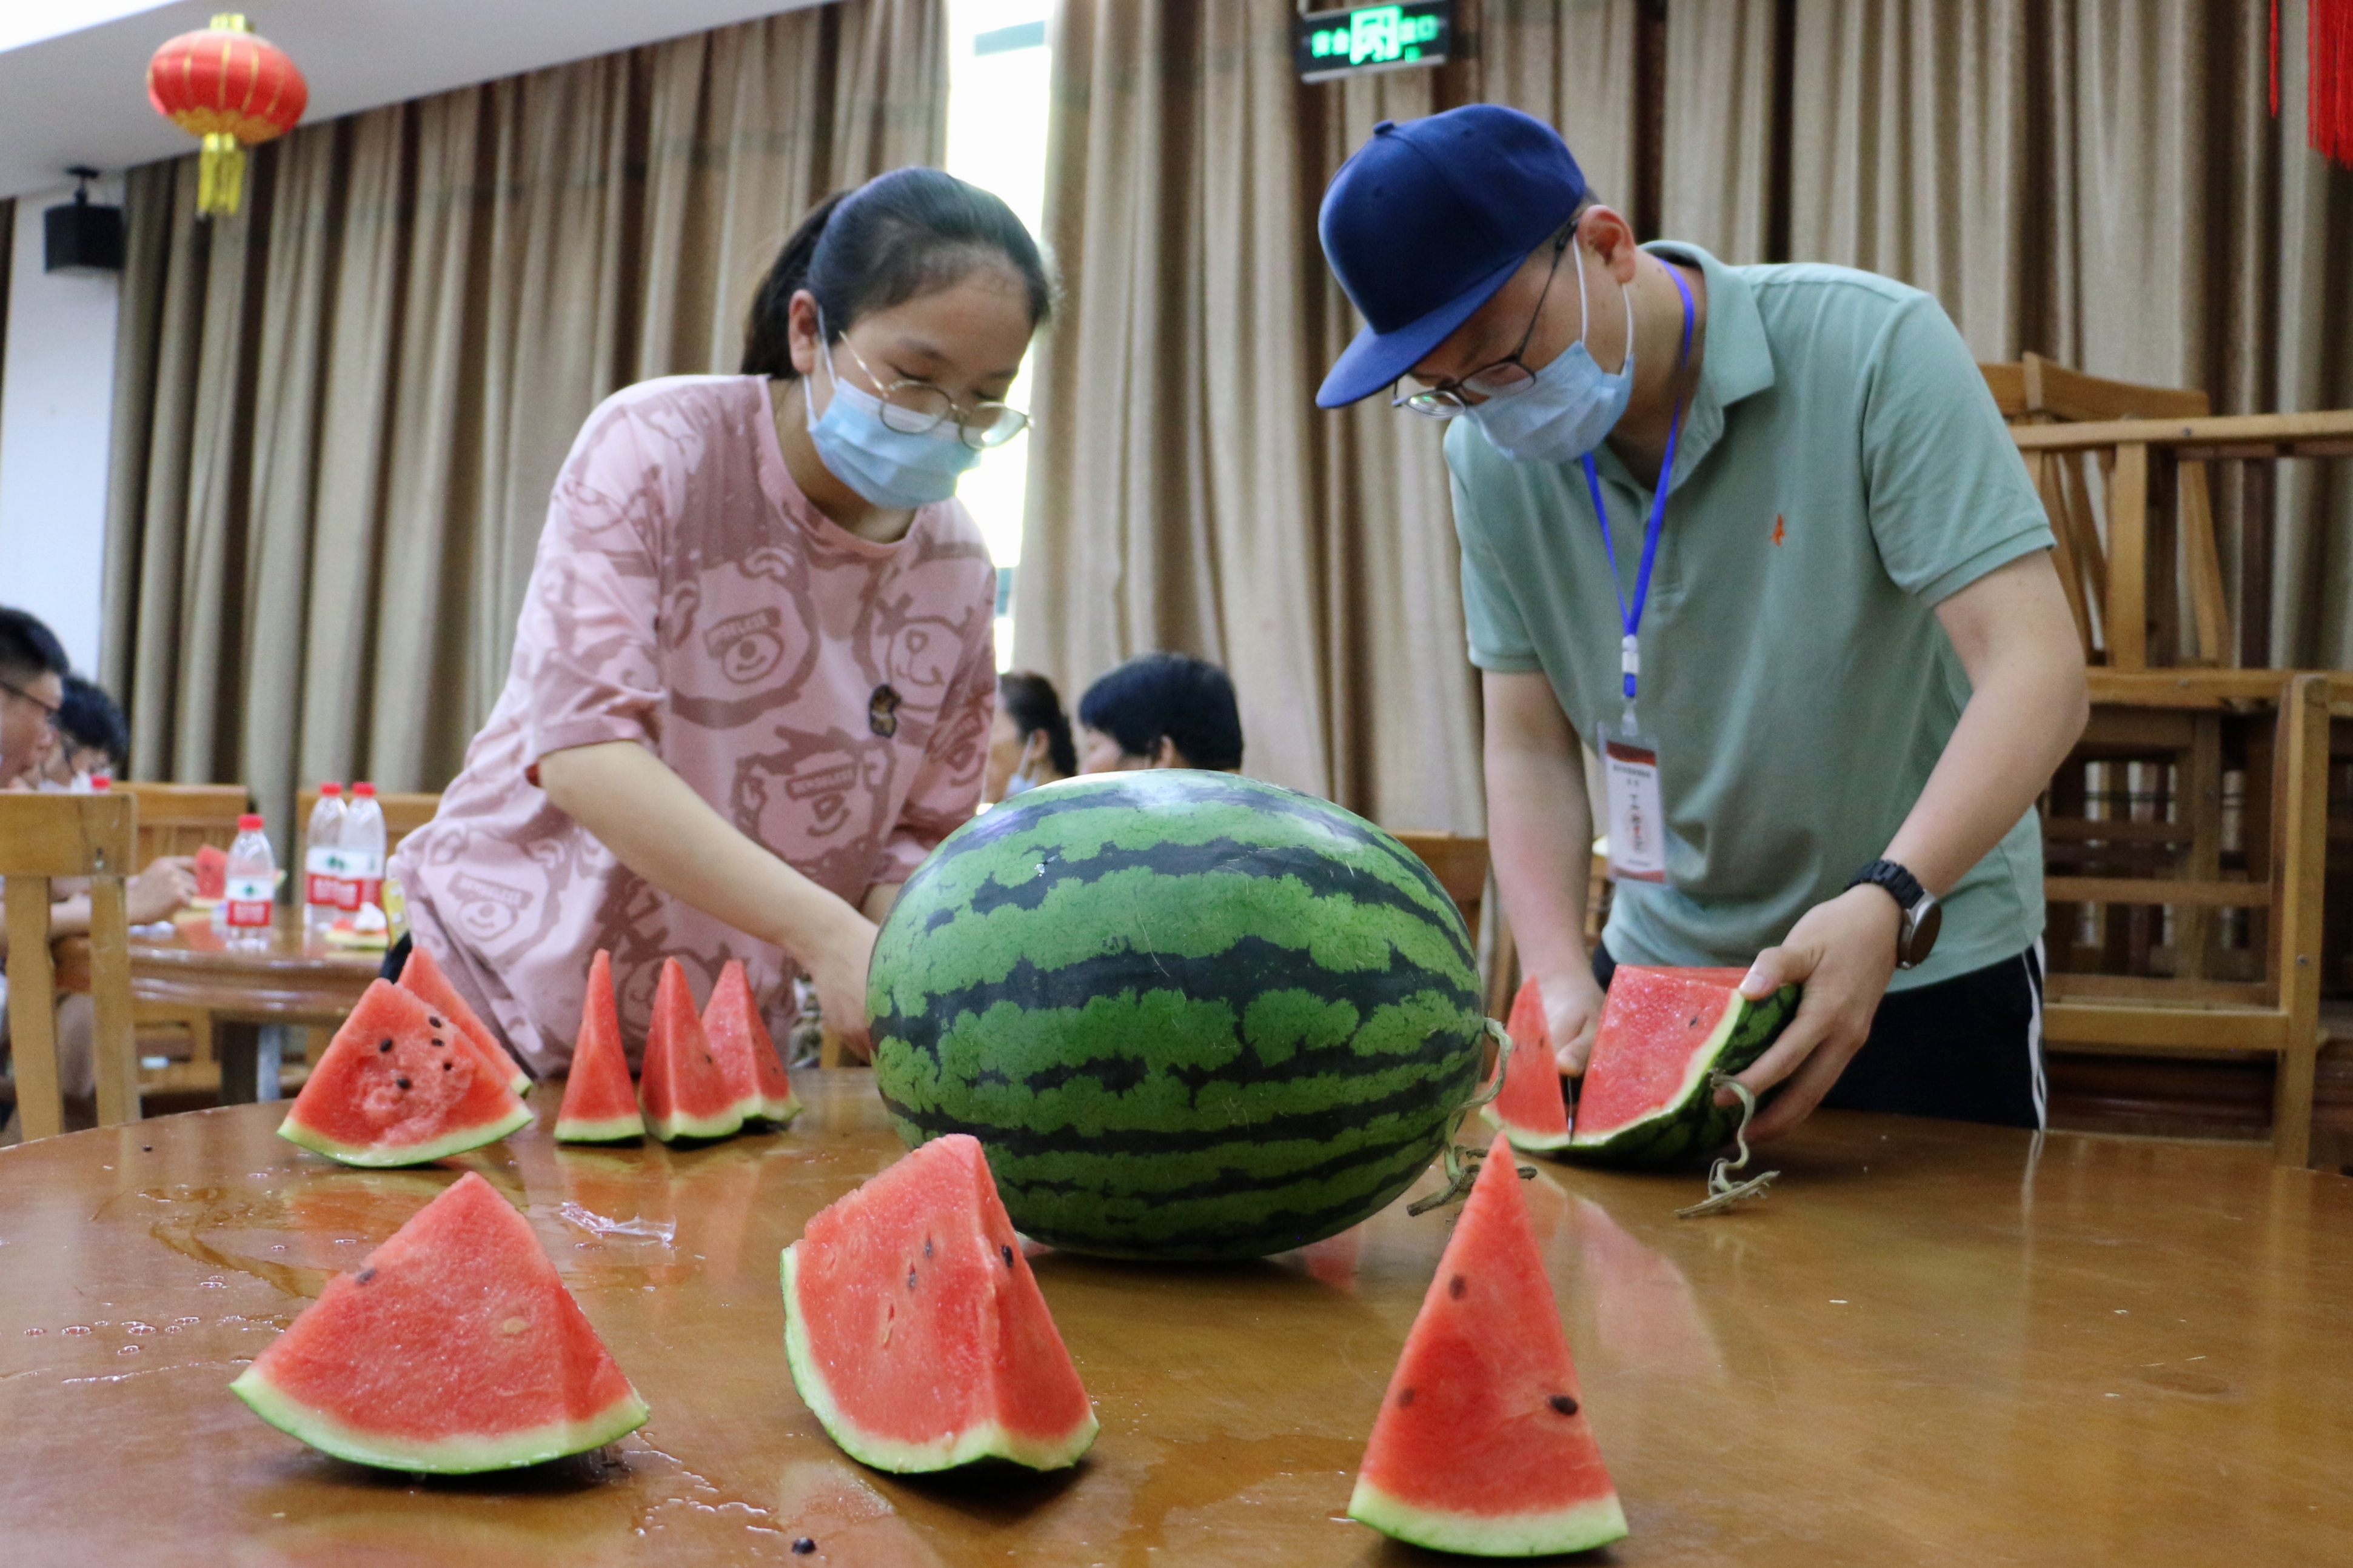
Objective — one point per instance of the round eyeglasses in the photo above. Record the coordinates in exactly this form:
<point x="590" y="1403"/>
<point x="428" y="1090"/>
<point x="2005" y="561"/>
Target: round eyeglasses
<point x="1507" y="377"/>
<point x="917" y="407"/>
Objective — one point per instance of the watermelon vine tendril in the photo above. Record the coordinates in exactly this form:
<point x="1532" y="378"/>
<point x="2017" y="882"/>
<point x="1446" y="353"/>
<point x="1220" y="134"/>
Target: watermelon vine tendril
<point x="1462" y="1163"/>
<point x="1723" y="1192"/>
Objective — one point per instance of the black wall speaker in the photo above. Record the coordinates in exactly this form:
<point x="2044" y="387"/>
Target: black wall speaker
<point x="80" y="238"/>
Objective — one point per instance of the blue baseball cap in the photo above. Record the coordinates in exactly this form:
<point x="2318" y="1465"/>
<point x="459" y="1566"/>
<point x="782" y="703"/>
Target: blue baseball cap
<point x="1426" y="220"/>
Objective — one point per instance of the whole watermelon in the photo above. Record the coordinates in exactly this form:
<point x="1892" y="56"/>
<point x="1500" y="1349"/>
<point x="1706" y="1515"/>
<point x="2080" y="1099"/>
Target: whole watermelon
<point x="1191" y="1015"/>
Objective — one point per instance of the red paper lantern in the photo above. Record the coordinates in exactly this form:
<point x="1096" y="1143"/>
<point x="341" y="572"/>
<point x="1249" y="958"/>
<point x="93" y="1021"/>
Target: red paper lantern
<point x="234" y="90"/>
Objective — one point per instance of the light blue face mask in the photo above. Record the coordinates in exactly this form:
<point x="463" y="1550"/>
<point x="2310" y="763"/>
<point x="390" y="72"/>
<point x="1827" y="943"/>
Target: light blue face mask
<point x="1572" y="404"/>
<point x="889" y="467"/>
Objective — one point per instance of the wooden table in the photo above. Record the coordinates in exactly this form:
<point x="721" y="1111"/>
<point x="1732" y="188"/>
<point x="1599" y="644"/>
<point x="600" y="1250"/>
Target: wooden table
<point x="1934" y="1344"/>
<point x="256" y="997"/>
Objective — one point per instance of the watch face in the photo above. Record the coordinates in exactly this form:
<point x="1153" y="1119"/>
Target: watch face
<point x="1921" y="935"/>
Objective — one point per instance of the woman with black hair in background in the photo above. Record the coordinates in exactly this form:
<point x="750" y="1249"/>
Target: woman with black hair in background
<point x="1161" y="710"/>
<point x="1031" y="743"/>
<point x="753" y="677"/>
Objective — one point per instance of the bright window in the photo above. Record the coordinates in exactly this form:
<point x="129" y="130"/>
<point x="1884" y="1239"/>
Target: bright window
<point x="998" y="82"/>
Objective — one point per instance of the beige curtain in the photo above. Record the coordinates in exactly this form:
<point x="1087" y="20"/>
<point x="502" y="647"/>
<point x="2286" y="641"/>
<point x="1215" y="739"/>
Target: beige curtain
<point x="338" y="415"/>
<point x="1184" y="491"/>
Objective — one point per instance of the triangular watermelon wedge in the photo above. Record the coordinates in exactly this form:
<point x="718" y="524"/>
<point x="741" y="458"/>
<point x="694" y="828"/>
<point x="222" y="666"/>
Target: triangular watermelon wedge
<point x="684" y="1091"/>
<point x="392" y="1088"/>
<point x="915" y="1331"/>
<point x="1531" y="1108"/>
<point x="1647" y="1096"/>
<point x="455" y="1348"/>
<point x="600" y="1103"/>
<point x="211" y="868"/>
<point x="422" y="977"/>
<point x="746" y="1051"/>
<point x="1481" y="1444"/>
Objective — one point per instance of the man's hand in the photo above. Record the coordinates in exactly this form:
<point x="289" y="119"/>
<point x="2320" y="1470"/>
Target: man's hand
<point x="161" y="890"/>
<point x="1843" y="951"/>
<point x="1572" y="1005"/>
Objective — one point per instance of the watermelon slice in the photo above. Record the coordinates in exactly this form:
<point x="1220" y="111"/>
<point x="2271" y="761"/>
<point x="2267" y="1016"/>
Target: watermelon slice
<point x="915" y="1331"/>
<point x="1482" y="1444"/>
<point x="600" y="1103"/>
<point x="397" y="1087"/>
<point x="455" y="1348"/>
<point x="746" y="1052"/>
<point x="211" y="868"/>
<point x="1647" y="1097"/>
<point x="684" y="1090"/>
<point x="1531" y="1107"/>
<point x="422" y="977"/>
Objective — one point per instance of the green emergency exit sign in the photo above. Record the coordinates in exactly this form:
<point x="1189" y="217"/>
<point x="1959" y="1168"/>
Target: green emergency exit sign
<point x="1329" y="44"/>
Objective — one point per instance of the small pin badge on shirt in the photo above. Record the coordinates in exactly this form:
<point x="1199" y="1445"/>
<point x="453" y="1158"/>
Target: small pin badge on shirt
<point x="882" y="712"/>
<point x="1780" y="529"/>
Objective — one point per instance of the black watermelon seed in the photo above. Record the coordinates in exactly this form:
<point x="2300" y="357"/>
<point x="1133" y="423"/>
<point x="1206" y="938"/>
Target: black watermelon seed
<point x="1405" y="1397"/>
<point x="433" y="1020"/>
<point x="445" y="1067"/>
<point x="910" y="1279"/>
<point x="804" y="1546"/>
<point x="146" y="1148"/>
<point x="439" y="1044"/>
<point x="1454" y="1286"/>
<point x="401" y="1082"/>
<point x="1008" y="1256"/>
<point x="385" y="1046"/>
<point x="1563" y="1403"/>
<point x="927" y="1246"/>
<point x="366" y="1275"/>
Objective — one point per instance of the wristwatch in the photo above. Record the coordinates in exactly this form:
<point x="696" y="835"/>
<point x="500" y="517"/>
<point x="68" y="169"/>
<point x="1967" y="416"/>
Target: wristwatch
<point x="1922" y="915"/>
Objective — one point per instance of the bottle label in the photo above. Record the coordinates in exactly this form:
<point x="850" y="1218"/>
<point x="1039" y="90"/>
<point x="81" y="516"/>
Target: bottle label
<point x="248" y="900"/>
<point x="322" y="877"/>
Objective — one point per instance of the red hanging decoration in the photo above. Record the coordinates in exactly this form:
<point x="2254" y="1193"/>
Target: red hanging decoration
<point x="2329" y="76"/>
<point x="232" y="89"/>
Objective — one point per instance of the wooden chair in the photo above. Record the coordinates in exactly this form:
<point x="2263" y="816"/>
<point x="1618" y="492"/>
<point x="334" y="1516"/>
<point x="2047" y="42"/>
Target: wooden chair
<point x="181" y="819"/>
<point x="2143" y="960"/>
<point x="42" y="838"/>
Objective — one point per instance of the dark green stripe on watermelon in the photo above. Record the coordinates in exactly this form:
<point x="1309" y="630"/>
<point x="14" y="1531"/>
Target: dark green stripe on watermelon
<point x="1189" y="1014"/>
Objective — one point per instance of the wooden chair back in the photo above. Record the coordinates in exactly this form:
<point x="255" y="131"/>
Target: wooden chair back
<point x="44" y="838"/>
<point x="181" y="819"/>
<point x="2185" y="841"/>
<point x="404" y="814"/>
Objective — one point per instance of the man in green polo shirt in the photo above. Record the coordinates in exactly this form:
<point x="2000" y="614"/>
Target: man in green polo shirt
<point x="1826" y="654"/>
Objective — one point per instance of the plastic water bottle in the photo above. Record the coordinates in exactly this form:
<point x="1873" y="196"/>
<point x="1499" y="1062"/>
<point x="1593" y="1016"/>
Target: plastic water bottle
<point x="250" y="894"/>
<point x="323" y="862"/>
<point x="363" y="850"/>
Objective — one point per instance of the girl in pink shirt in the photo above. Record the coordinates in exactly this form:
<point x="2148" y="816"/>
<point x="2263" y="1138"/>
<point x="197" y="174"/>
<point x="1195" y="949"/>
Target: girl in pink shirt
<point x="753" y="676"/>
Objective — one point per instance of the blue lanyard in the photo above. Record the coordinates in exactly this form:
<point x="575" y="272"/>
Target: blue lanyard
<point x="1630" y="616"/>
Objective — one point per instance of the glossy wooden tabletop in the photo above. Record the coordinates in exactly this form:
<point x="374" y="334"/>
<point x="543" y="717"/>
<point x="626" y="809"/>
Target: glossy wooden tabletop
<point x="1933" y="1344"/>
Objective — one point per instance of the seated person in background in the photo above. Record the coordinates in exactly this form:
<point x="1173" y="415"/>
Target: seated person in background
<point x="1029" y="743"/>
<point x="91" y="735"/>
<point x="34" y="687"/>
<point x="1160" y="711"/>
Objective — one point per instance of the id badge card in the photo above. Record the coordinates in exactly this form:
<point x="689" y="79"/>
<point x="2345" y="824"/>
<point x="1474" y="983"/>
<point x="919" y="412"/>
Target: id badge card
<point x="1638" y="821"/>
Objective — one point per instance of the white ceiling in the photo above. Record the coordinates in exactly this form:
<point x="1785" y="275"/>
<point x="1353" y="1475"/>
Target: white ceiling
<point x="82" y="97"/>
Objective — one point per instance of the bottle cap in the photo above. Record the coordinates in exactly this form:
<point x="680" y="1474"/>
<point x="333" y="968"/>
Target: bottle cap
<point x="100" y="782"/>
<point x="250" y="822"/>
<point x="330" y="789"/>
<point x="364" y="788"/>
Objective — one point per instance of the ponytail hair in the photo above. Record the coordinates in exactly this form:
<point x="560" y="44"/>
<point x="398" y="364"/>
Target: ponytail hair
<point x="911" y="231"/>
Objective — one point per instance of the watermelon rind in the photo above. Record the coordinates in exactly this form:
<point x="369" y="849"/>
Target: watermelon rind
<point x="671" y="1129"/>
<point x="1691" y="1125"/>
<point x="1522" y="1137"/>
<point x="603" y="1129"/>
<point x="455" y="1141"/>
<point x="982" y="1440"/>
<point x="443" y="1456"/>
<point x="1577" y="1528"/>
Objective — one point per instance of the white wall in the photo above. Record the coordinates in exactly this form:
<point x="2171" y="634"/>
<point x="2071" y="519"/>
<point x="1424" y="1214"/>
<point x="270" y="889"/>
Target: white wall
<point x="57" y="402"/>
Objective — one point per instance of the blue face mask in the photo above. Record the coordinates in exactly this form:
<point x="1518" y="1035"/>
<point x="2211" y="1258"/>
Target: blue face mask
<point x="1572" y="405"/>
<point x="888" y="467"/>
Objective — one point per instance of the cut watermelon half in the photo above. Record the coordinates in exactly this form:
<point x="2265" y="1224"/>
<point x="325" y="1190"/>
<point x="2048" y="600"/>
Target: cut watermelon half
<point x="397" y="1085"/>
<point x="915" y="1331"/>
<point x="746" y="1052"/>
<point x="1481" y="1444"/>
<point x="1647" y="1096"/>
<point x="682" y="1087"/>
<point x="600" y="1103"/>
<point x="455" y="1348"/>
<point x="422" y="977"/>
<point x="1532" y="1107"/>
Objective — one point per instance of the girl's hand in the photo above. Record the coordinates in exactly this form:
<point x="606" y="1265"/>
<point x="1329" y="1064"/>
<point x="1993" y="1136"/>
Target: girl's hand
<point x="1572" y="1004"/>
<point x="838" y="973"/>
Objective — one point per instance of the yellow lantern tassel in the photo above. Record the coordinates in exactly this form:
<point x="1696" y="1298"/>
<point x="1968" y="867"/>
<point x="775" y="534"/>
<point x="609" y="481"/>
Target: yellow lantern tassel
<point x="220" y="175"/>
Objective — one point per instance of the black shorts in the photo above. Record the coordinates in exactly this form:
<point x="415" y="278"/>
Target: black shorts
<point x="1967" y="1050"/>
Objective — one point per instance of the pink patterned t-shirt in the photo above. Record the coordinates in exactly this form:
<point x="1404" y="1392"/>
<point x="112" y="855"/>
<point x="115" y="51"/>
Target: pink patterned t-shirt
<point x="829" y="697"/>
